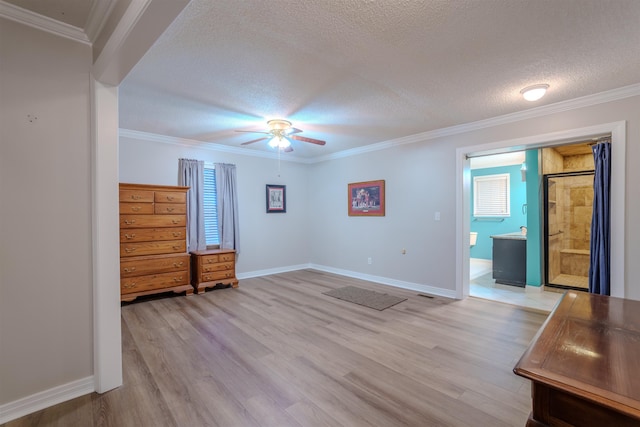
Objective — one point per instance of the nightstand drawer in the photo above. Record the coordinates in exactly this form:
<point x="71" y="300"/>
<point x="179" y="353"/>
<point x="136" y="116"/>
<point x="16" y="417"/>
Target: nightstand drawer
<point x="221" y="266"/>
<point x="219" y="275"/>
<point x="209" y="259"/>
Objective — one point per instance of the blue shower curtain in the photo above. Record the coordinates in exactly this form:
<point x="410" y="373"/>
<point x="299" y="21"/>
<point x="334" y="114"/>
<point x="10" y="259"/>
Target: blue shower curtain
<point x="599" y="269"/>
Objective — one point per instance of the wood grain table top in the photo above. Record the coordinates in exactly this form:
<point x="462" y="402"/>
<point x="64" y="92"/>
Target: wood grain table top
<point x="589" y="346"/>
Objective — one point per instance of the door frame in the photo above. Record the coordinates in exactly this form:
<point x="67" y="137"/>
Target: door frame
<point x="617" y="130"/>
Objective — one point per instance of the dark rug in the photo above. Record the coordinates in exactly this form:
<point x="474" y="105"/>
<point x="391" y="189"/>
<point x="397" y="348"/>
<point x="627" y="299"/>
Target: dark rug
<point x="365" y="297"/>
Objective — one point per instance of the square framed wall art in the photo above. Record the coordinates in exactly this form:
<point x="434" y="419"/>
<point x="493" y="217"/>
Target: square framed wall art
<point x="366" y="198"/>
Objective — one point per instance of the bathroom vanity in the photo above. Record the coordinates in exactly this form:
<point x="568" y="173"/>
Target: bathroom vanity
<point x="510" y="259"/>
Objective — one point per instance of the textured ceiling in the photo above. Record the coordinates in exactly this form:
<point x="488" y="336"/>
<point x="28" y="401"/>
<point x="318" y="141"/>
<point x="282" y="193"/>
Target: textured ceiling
<point x="358" y="72"/>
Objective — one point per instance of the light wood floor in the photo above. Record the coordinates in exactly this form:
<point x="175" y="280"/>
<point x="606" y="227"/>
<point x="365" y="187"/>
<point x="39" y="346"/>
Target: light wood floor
<point x="276" y="352"/>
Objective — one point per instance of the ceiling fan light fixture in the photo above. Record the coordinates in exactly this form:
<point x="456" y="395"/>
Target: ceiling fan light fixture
<point x="279" y="142"/>
<point x="535" y="92"/>
<point x="279" y="124"/>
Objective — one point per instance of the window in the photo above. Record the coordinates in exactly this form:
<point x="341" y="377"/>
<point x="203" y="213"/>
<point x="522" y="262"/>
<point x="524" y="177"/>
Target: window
<point x="210" y="208"/>
<point x="491" y="195"/>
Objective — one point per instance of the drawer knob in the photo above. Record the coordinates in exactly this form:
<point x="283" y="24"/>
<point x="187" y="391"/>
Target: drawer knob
<point x="130" y="236"/>
<point x="170" y="209"/>
<point x="129" y="221"/>
<point x="209" y="261"/>
<point x="129" y="285"/>
<point x="129" y="270"/>
<point x="136" y="196"/>
<point x="135" y="208"/>
<point x="177" y="279"/>
<point x="178" y="264"/>
<point x="175" y="221"/>
<point x="175" y="247"/>
<point x="170" y="198"/>
<point x="177" y="233"/>
<point x="129" y="250"/>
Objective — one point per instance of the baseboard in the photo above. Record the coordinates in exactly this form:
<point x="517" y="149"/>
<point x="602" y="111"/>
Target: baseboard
<point x="269" y="271"/>
<point x="43" y="399"/>
<point x="534" y="289"/>
<point x="431" y="290"/>
<point x="419" y="287"/>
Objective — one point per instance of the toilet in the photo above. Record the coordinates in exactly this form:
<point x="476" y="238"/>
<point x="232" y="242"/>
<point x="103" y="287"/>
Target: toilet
<point x="473" y="239"/>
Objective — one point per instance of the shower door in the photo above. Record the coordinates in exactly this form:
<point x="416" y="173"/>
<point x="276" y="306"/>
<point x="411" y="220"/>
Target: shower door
<point x="568" y="210"/>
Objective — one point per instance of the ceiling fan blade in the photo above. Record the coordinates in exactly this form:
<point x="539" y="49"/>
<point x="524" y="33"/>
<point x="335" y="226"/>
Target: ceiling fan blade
<point x="291" y="131"/>
<point x="305" y="139"/>
<point x="288" y="149"/>
<point x="254" y="140"/>
<point x="253" y="131"/>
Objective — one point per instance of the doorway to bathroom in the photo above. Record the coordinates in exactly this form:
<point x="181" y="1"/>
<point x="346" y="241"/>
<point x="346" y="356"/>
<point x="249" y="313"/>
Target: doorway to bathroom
<point x="617" y="132"/>
<point x="501" y="258"/>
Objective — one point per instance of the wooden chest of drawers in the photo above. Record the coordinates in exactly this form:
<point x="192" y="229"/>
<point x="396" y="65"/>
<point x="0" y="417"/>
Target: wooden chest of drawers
<point x="153" y="245"/>
<point x="213" y="267"/>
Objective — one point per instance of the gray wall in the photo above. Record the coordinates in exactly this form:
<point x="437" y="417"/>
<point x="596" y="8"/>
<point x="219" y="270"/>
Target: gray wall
<point x="267" y="241"/>
<point x="45" y="221"/>
<point x="421" y="179"/>
<point x="46" y="336"/>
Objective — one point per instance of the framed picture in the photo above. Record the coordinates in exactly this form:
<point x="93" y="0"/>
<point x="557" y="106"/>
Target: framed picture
<point x="276" y="198"/>
<point x="366" y="198"/>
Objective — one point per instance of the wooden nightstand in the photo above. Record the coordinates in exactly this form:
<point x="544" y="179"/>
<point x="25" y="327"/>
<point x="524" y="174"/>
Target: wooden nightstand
<point x="213" y="267"/>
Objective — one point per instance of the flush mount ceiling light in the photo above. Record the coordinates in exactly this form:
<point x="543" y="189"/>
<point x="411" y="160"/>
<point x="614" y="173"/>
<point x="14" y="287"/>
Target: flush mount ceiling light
<point x="535" y="92"/>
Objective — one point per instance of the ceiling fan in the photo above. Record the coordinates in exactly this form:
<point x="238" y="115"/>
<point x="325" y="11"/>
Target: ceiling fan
<point x="280" y="134"/>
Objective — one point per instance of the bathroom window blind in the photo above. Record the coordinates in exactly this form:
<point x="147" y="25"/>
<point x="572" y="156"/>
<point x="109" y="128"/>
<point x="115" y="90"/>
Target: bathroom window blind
<point x="491" y="195"/>
<point x="210" y="208"/>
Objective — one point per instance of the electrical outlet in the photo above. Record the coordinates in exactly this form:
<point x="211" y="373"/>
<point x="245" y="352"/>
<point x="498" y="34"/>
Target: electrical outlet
<point x="369" y="260"/>
<point x="437" y="216"/>
<point x="403" y="251"/>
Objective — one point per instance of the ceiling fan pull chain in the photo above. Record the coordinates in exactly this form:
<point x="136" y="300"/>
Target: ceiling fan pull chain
<point x="279" y="149"/>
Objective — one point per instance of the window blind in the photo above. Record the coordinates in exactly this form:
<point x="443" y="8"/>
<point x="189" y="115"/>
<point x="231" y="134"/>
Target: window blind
<point x="491" y="195"/>
<point x="210" y="208"/>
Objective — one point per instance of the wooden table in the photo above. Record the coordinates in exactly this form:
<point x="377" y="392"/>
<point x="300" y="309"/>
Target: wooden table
<point x="584" y="363"/>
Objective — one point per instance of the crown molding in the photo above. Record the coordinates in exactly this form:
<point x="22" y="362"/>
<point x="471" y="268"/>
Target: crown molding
<point x="153" y="137"/>
<point x="545" y="110"/>
<point x="44" y="23"/>
<point x="572" y="104"/>
<point x="98" y="16"/>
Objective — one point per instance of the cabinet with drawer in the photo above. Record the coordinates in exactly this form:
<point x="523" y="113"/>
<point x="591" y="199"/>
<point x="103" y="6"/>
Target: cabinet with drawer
<point x="213" y="267"/>
<point x="153" y="245"/>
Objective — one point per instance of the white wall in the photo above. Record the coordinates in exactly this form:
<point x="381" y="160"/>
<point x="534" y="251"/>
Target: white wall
<point x="420" y="180"/>
<point x="46" y="334"/>
<point x="267" y="241"/>
<point x="415" y="190"/>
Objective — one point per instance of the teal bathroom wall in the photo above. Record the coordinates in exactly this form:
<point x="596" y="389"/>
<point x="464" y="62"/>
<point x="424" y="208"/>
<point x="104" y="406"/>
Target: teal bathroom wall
<point x="534" y="219"/>
<point x="487" y="227"/>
